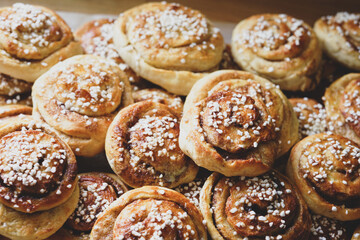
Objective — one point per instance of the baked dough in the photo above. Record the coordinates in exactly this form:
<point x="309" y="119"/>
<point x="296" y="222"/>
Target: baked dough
<point x="37" y="169"/>
<point x="263" y="207"/>
<point x="150" y="212"/>
<point x="32" y="40"/>
<point x="280" y="48"/>
<point x="168" y="44"/>
<point x="79" y="98"/>
<point x="339" y="36"/>
<point x="237" y="123"/>
<point x="324" y="168"/>
<point x="342" y="99"/>
<point x="142" y="147"/>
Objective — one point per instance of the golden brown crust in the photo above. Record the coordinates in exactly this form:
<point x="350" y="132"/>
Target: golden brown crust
<point x="97" y="192"/>
<point x="168" y="44"/>
<point x="327" y="228"/>
<point x="311" y="115"/>
<point x="29" y="50"/>
<point x="280" y="48"/>
<point x="156" y="211"/>
<point x="40" y="225"/>
<point x="96" y="37"/>
<point x="339" y="37"/>
<point x="142" y="147"/>
<point x="324" y="167"/>
<point x="237" y="123"/>
<point x="263" y="207"/>
<point x="160" y="96"/>
<point x="341" y="103"/>
<point x="81" y="111"/>
<point x="10" y="111"/>
<point x="37" y="169"/>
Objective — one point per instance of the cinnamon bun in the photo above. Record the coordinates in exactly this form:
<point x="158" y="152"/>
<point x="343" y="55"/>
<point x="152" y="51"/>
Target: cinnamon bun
<point x="96" y="37"/>
<point x="324" y="167"/>
<point x="311" y="116"/>
<point x="38" y="184"/>
<point x="342" y="100"/>
<point x="168" y="44"/>
<point x="150" y="213"/>
<point x="263" y="207"/>
<point x="237" y="123"/>
<point x="79" y="98"/>
<point x="280" y="48"/>
<point x="339" y="36"/>
<point x="97" y="192"/>
<point x="142" y="147"/>
<point x="32" y="40"/>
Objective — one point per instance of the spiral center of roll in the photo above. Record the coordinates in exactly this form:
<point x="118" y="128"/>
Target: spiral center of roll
<point x="260" y="206"/>
<point x="331" y="165"/>
<point x="276" y="37"/>
<point x="154" y="219"/>
<point x="350" y="105"/>
<point x="28" y="29"/>
<point x="235" y="121"/>
<point x="95" y="196"/>
<point x="89" y="89"/>
<point x="31" y="162"/>
<point x="172" y="26"/>
<point x="154" y="141"/>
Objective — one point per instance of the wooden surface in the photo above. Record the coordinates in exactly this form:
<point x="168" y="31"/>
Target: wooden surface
<point x="220" y="10"/>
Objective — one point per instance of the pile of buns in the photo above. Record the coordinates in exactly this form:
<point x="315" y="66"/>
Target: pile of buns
<point x="205" y="140"/>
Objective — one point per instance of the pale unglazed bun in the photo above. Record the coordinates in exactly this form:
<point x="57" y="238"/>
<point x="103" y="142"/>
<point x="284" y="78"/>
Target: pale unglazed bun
<point x="79" y="98"/>
<point x="237" y="123"/>
<point x="280" y="48"/>
<point x="168" y="44"/>
<point x="339" y="36"/>
<point x="32" y="40"/>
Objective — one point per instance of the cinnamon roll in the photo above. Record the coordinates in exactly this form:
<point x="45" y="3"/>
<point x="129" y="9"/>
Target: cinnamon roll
<point x="263" y="207"/>
<point x="311" y="116"/>
<point x="32" y="40"/>
<point x="79" y="97"/>
<point x="96" y="37"/>
<point x="326" y="228"/>
<point x="142" y="147"/>
<point x="168" y="44"/>
<point x="280" y="48"/>
<point x="150" y="213"/>
<point x="38" y="184"/>
<point x="97" y="192"/>
<point x="14" y="91"/>
<point x="342" y="100"/>
<point x="237" y="123"/>
<point x="160" y="96"/>
<point x="339" y="36"/>
<point x="325" y="169"/>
